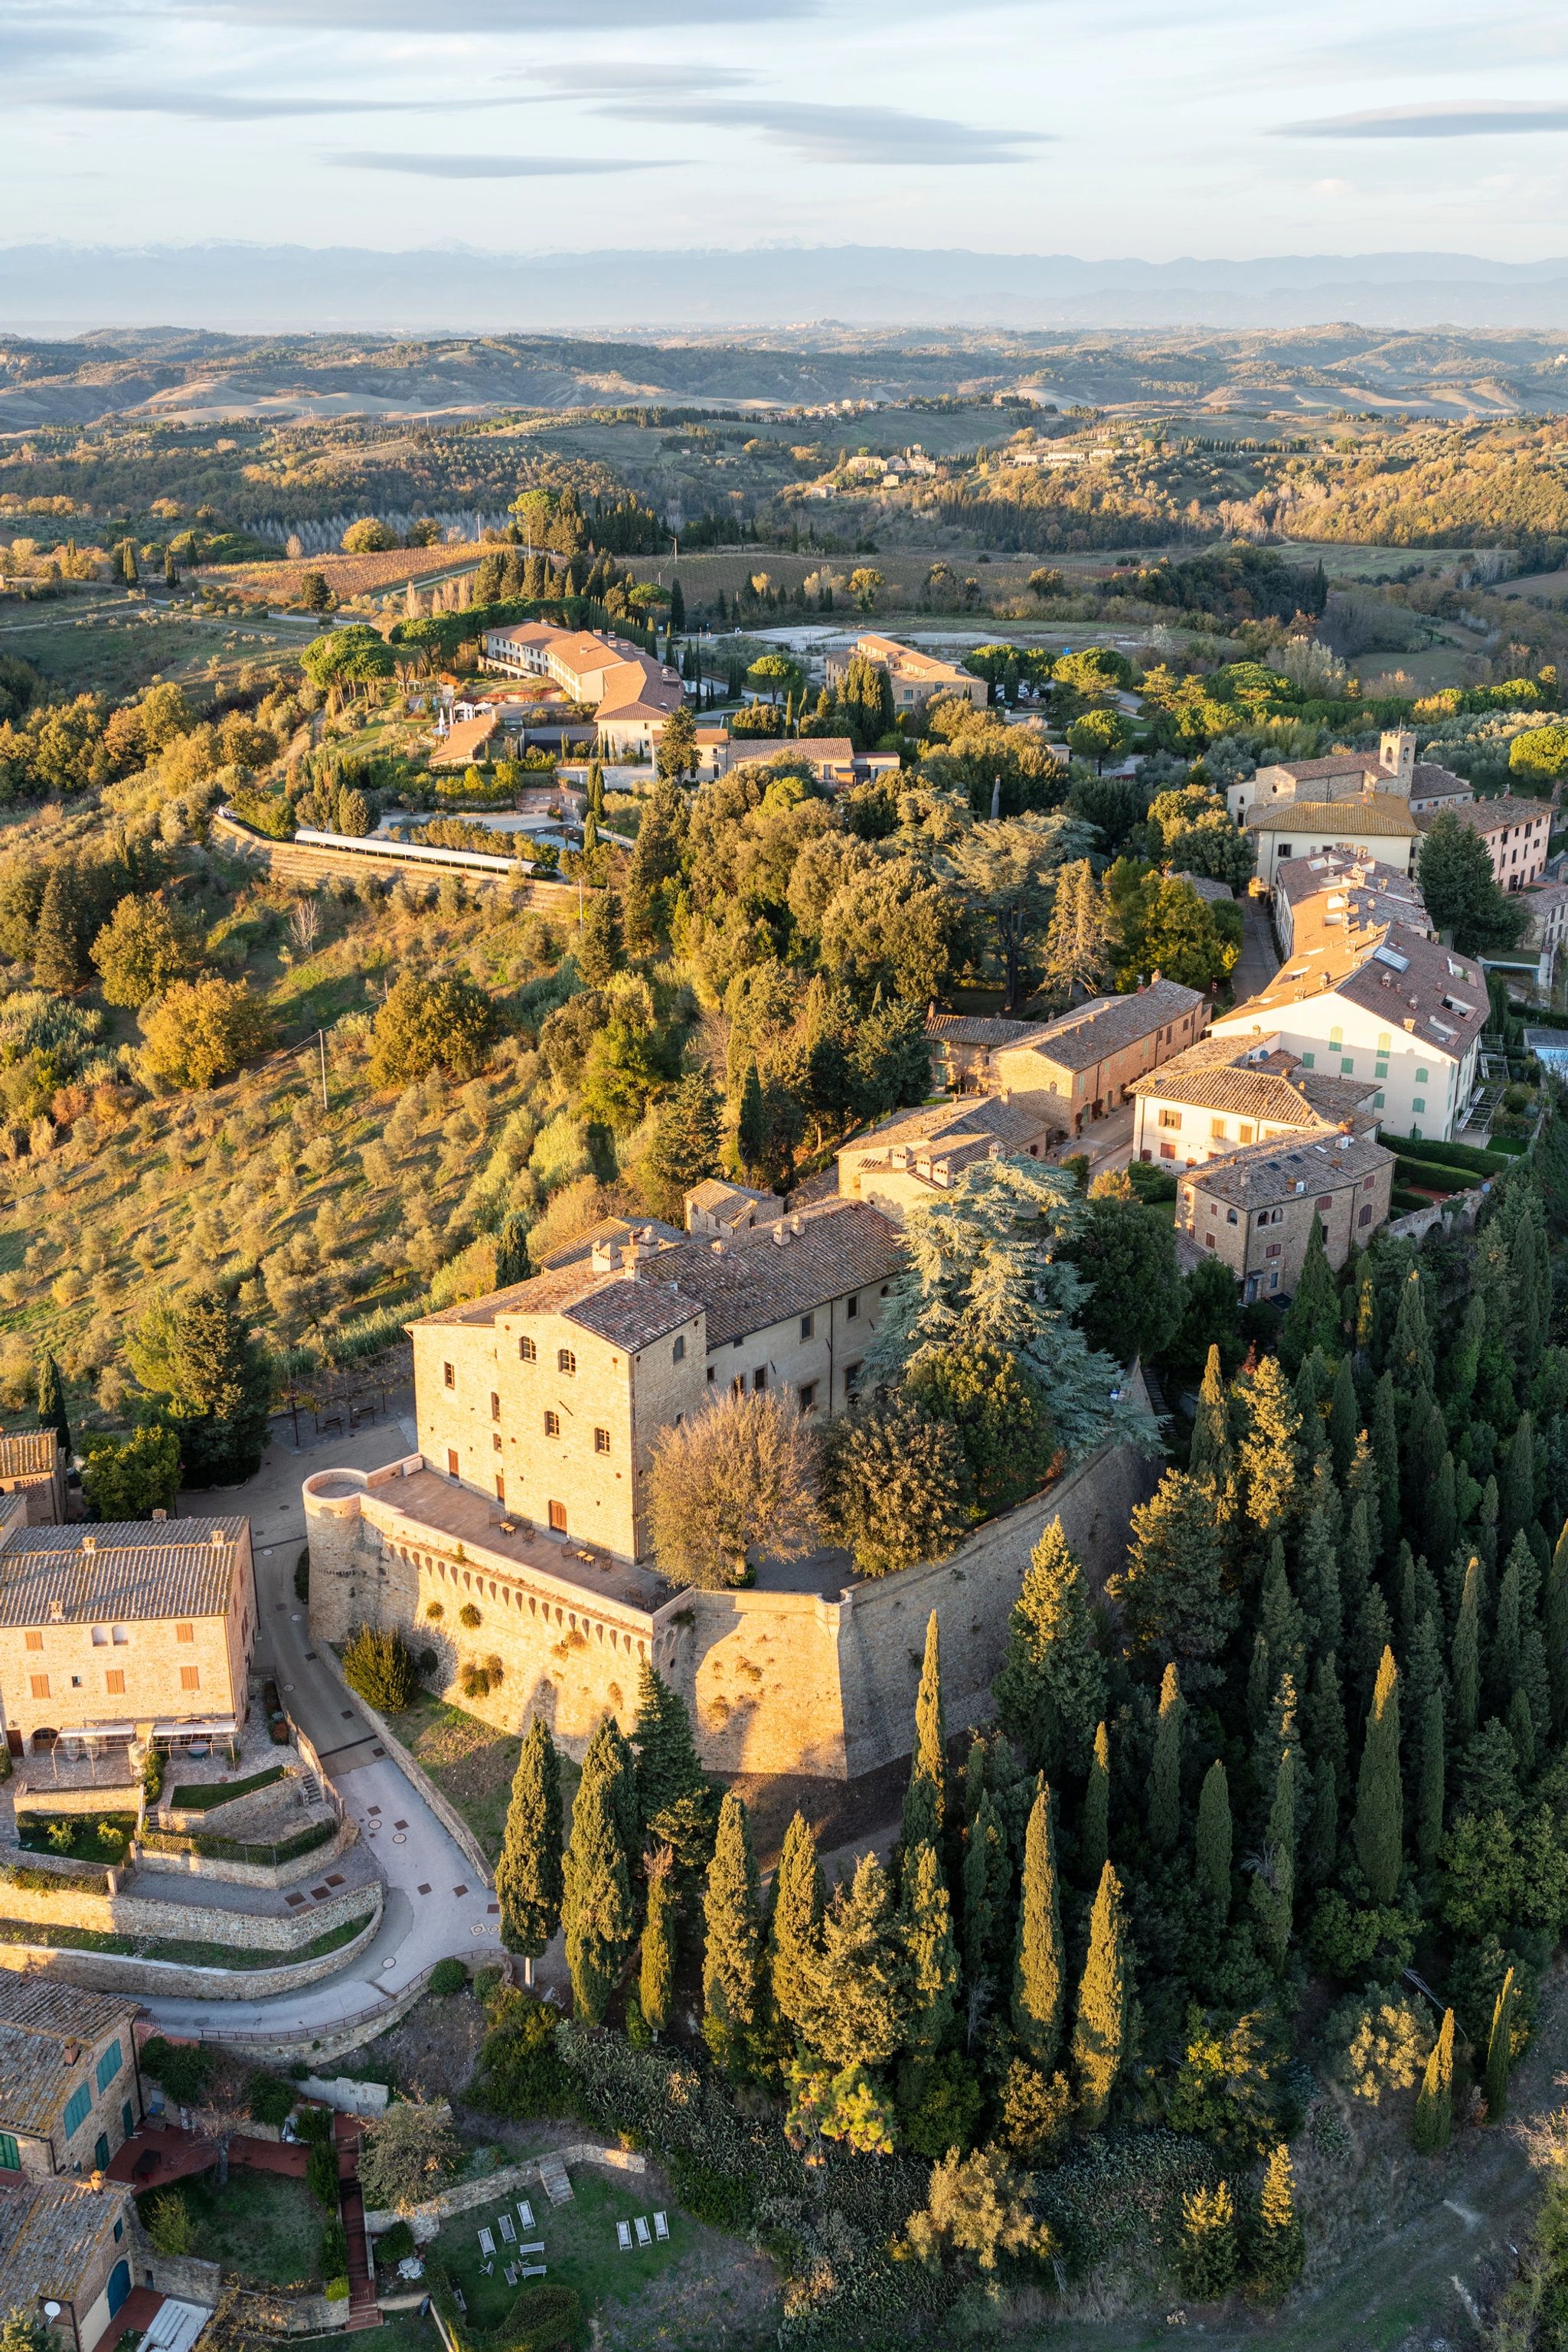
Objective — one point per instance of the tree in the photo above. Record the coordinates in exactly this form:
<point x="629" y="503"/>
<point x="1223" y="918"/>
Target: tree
<point x="925" y="1921"/>
<point x="1213" y="1840"/>
<point x="865" y="585"/>
<point x="1267" y="1453"/>
<point x="379" y="1665"/>
<point x="57" y="945"/>
<point x="1040" y="1962"/>
<point x="739" y="1475"/>
<point x="925" y="1799"/>
<point x="1082" y="934"/>
<point x="1434" y="2125"/>
<point x="599" y="947"/>
<point x="1379" y="1828"/>
<point x="732" y="1948"/>
<point x="217" y="1379"/>
<point x="751" y="1123"/>
<point x="1466" y="1653"/>
<point x="428" y="1025"/>
<point x="975" y="2206"/>
<point x="1128" y="1256"/>
<point x="1313" y="1319"/>
<point x="1461" y="891"/>
<point x="859" y="2001"/>
<point x="1098" y="735"/>
<point x="596" y="1905"/>
<point x="1007" y="866"/>
<point x="314" y="593"/>
<point x="1172" y="1593"/>
<point x="201" y="1032"/>
<point x="142" y="950"/>
<point x="1094" y="1823"/>
<point x="1208" y="2255"/>
<point x="51" y="1403"/>
<point x="132" y="1480"/>
<point x="673" y="1792"/>
<point x="1099" y="2030"/>
<point x="896" y="1487"/>
<point x="995" y="1409"/>
<point x="1500" y="2050"/>
<point x="406" y="2154"/>
<point x="1051" y="1688"/>
<point x="1210" y="1448"/>
<point x="656" y="1978"/>
<point x="795" y="1926"/>
<point x="1165" y="1776"/>
<point x="529" y="1880"/>
<point x="369" y="536"/>
<point x="684" y="1147"/>
<point x="1274" y="1883"/>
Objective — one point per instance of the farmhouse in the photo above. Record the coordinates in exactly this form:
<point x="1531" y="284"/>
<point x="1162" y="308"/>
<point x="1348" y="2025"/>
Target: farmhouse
<point x="631" y="693"/>
<point x="68" y="2244"/>
<point x="1254" y="1210"/>
<point x="1081" y="1065"/>
<point x="70" y="2090"/>
<point x="915" y="677"/>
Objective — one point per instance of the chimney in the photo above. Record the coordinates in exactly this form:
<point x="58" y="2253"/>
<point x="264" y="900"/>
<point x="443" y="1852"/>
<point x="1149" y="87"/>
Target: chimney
<point x="218" y="1539"/>
<point x="89" y="1543"/>
<point x="781" y="1233"/>
<point x="716" y="1247"/>
<point x="160" y="1513"/>
<point x="606" y="1257"/>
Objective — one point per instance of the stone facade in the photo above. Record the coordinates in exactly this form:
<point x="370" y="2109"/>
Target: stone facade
<point x="128" y="1913"/>
<point x="180" y="1980"/>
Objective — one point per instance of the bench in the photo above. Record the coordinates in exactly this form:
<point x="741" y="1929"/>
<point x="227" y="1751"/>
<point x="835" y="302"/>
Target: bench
<point x="525" y="2212"/>
<point x="533" y="2270"/>
<point x="507" y="2231"/>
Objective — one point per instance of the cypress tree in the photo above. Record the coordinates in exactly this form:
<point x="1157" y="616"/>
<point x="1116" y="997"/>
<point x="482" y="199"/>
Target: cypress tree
<point x="1434" y="2122"/>
<point x="1094" y="1827"/>
<point x="1214" y="1842"/>
<point x="1373" y="1635"/>
<point x="1359" y="1558"/>
<point x="511" y="1251"/>
<point x="1040" y="1961"/>
<point x="1380" y="1797"/>
<point x="667" y="1766"/>
<point x="752" y="1130"/>
<point x="987" y="1877"/>
<point x="1555" y="1614"/>
<point x="1466" y="1657"/>
<point x="1516" y="1498"/>
<point x="1345" y="1419"/>
<point x="1274" y="1886"/>
<point x="52" y="1402"/>
<point x="1280" y="1616"/>
<point x="1208" y="2255"/>
<point x="1487" y="1530"/>
<point x="1211" y="1426"/>
<point x="1051" y="1687"/>
<point x="1312" y="1389"/>
<point x="1505" y="1647"/>
<point x="859" y="2012"/>
<point x="1429" y="1790"/>
<point x="1258" y="1680"/>
<point x="599" y="947"/>
<point x="1318" y="1581"/>
<point x="733" y="1941"/>
<point x="1268" y="1456"/>
<point x="1499" y="2051"/>
<point x="1410" y="1353"/>
<point x="1442" y="1515"/>
<point x="1281" y="2243"/>
<point x="925" y="1799"/>
<point x="1165" y="1777"/>
<point x="926" y="1924"/>
<point x="57" y="942"/>
<point x="1099" y="2030"/>
<point x="1321" y="1857"/>
<point x="1311" y="1321"/>
<point x="795" y="1927"/>
<point x="1173" y="1592"/>
<point x="528" y="1874"/>
<point x="1323" y="1715"/>
<point x="1386" y="1454"/>
<point x="597" y="1907"/>
<point x="1522" y="1731"/>
<point x="655" y="1980"/>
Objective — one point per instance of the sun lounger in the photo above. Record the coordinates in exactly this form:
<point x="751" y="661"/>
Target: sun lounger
<point x="661" y="2226"/>
<point x="525" y="2212"/>
<point x="644" y="2235"/>
<point x="505" y="2227"/>
<point x="511" y="2275"/>
<point x="458" y="2299"/>
<point x="486" y="2244"/>
<point x="533" y="2270"/>
<point x="537" y="2248"/>
<point x="623" y="2236"/>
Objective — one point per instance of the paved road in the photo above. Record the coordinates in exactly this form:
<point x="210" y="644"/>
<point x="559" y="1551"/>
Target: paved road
<point x="435" y="1904"/>
<point x="1259" y="958"/>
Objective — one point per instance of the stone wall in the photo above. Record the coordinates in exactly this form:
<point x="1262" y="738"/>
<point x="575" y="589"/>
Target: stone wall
<point x="128" y="1913"/>
<point x="222" y="1868"/>
<point x="177" y="1980"/>
<point x="425" y="2221"/>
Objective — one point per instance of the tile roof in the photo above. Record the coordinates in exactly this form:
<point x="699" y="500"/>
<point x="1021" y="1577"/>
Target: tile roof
<point x="713" y="1192"/>
<point x="40" y="2019"/>
<point x="1205" y="887"/>
<point x="1301" y="878"/>
<point x="981" y="1029"/>
<point x="51" y="2232"/>
<point x="910" y="660"/>
<point x="609" y="1229"/>
<point x="1108" y="1024"/>
<point x="25" y="1453"/>
<point x="1495" y="815"/>
<point x="1390" y="969"/>
<point x="986" y="1117"/>
<point x="1261" y="1174"/>
<point x="1377" y="813"/>
<point x="465" y="737"/>
<point x="134" y="1570"/>
<point x="821" y="751"/>
<point x="1334" y="763"/>
<point x="1427" y="781"/>
<point x="1297" y="1100"/>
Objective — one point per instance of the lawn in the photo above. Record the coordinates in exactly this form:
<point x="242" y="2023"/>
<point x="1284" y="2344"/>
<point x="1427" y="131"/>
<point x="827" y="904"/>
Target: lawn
<point x="470" y="1762"/>
<point x="265" y="2226"/>
<point x="86" y="1846"/>
<point x="580" y="2247"/>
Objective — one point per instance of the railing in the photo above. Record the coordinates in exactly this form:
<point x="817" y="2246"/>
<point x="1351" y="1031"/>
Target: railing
<point x="224" y="1849"/>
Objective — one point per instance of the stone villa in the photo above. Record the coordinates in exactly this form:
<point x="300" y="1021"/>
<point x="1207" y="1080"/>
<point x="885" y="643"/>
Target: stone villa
<point x="70" y="2090"/>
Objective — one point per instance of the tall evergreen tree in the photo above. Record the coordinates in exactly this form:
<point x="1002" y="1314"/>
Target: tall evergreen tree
<point x="528" y="1875"/>
<point x="1274" y="1884"/>
<point x="1345" y="1419"/>
<point x="795" y="1924"/>
<point x="1313" y="1319"/>
<point x="52" y="1402"/>
<point x="1281" y="2247"/>
<point x="59" y="946"/>
<point x="987" y="1879"/>
<point x="1268" y="1456"/>
<point x="925" y="1799"/>
<point x="667" y="1766"/>
<point x="599" y="945"/>
<point x="597" y="1907"/>
<point x="1555" y="1615"/>
<point x="1210" y="1449"/>
<point x="1214" y="1843"/>
<point x="1467" y="1663"/>
<point x="1281" y="1617"/>
<point x="1099" y="2029"/>
<point x="1380" y="1796"/>
<point x="1410" y="1356"/>
<point x="1165" y="1776"/>
<point x="1500" y="2050"/>
<point x="752" y="1130"/>
<point x="1040" y="1961"/>
<point x="511" y="1251"/>
<point x="1050" y="1690"/>
<point x="1318" y="1581"/>
<point x="1173" y="1592"/>
<point x="860" y="2009"/>
<point x="1434" y="2125"/>
<point x="1386" y="1454"/>
<point x="926" y="1923"/>
<point x="1094" y="1822"/>
<point x="655" y="1980"/>
<point x="1516" y="1493"/>
<point x="732" y="1943"/>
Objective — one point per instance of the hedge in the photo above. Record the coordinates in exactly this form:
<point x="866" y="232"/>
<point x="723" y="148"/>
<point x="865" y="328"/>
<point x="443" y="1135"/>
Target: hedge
<point x="1450" y="1155"/>
<point x="82" y="1876"/>
<point x="201" y="1796"/>
<point x="1409" y="1172"/>
<point x="226" y="1849"/>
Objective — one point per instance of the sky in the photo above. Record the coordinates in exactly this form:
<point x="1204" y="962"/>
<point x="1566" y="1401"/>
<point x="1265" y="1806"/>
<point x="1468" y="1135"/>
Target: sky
<point x="1102" y="128"/>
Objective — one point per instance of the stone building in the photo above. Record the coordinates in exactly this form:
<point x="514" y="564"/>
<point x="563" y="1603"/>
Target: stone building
<point x="1228" y="1092"/>
<point x="1076" y="1068"/>
<point x="70" y="2090"/>
<point x="67" y="2248"/>
<point x="33" y="1464"/>
<point x="917" y="1155"/>
<point x="1255" y="1209"/>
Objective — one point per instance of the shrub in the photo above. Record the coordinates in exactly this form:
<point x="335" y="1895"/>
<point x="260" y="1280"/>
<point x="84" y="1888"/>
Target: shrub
<point x="487" y="1982"/>
<point x="939" y="2103"/>
<point x="395" y="2245"/>
<point x="202" y="1032"/>
<point x="321" y="2174"/>
<point x="719" y="2199"/>
<point x="895" y="1488"/>
<point x="333" y="2258"/>
<point x="468" y="1615"/>
<point x="271" y="2100"/>
<point x="1207" y="2256"/>
<point x="428" y="1024"/>
<point x="379" y="1665"/>
<point x="520" y="2072"/>
<point x="1382" y="2039"/>
<point x="313" y="2126"/>
<point x="336" y="2290"/>
<point x="406" y="2154"/>
<point x="449" y="1977"/>
<point x="167" y="2221"/>
<point x="132" y="1480"/>
<point x="182" y="2069"/>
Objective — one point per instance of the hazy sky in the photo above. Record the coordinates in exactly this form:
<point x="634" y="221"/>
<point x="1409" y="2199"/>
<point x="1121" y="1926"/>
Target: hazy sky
<point x="1094" y="127"/>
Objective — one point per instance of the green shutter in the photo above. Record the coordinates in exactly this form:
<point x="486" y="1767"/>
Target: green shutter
<point x="79" y="2106"/>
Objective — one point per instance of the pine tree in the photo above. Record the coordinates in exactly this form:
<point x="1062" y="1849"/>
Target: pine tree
<point x="1040" y="1962"/>
<point x="1165" y="1776"/>
<point x="1442" y="1515"/>
<point x="599" y="951"/>
<point x="656" y="1980"/>
<point x="528" y="1875"/>
<point x="1213" y="1843"/>
<point x="858" y="2010"/>
<point x="1211" y="1426"/>
<point x="795" y="1925"/>
<point x="1555" y="1615"/>
<point x="1467" y="1659"/>
<point x="1172" y="1593"/>
<point x="52" y="1402"/>
<point x="1274" y="1884"/>
<point x="684" y="1149"/>
<point x="667" y="1766"/>
<point x="1374" y="1633"/>
<point x="1345" y="1419"/>
<point x="1499" y="2051"/>
<point x="1487" y="1527"/>
<point x="926" y="1922"/>
<point x="1515" y="1495"/>
<point x="1380" y="1797"/>
<point x="1281" y="2244"/>
<point x="1094" y="1822"/>
<point x="1434" y="2123"/>
<point x="925" y="1799"/>
<point x="1208" y="2254"/>
<point x="1313" y="1319"/>
<point x="58" y="946"/>
<point x="597" y="1907"/>
<point x="751" y="1131"/>
<point x="1318" y="1581"/>
<point x="1050" y="1690"/>
<point x="1259" y="1679"/>
<point x="1268" y="1457"/>
<point x="511" y="1251"/>
<point x="1281" y="1617"/>
<point x="1099" y="2030"/>
<point x="1386" y="1454"/>
<point x="733" y="1942"/>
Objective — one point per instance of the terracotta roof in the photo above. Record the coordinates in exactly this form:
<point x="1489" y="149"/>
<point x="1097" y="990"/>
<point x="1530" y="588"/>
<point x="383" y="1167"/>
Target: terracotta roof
<point x="638" y="687"/>
<point x="463" y="740"/>
<point x="1427" y="781"/>
<point x="1108" y="1024"/>
<point x="1395" y="972"/>
<point x="1257" y="1094"/>
<point x="1205" y="887"/>
<point x="713" y="1192"/>
<point x="820" y="751"/>
<point x="1489" y="816"/>
<point x="609" y="1229"/>
<point x="909" y="660"/>
<point x="40" y="2019"/>
<point x="25" y="1453"/>
<point x="632" y="1312"/>
<point x="1262" y="1174"/>
<point x="51" y="2233"/>
<point x="130" y="1571"/>
<point x="1334" y="763"/>
<point x="1356" y="819"/>
<point x="963" y="1119"/>
<point x="1340" y="870"/>
<point x="979" y="1029"/>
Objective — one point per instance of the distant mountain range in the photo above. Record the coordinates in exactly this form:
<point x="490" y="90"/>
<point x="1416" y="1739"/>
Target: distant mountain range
<point x="50" y="289"/>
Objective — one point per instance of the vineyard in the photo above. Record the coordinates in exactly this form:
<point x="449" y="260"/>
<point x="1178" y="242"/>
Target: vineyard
<point x="346" y="575"/>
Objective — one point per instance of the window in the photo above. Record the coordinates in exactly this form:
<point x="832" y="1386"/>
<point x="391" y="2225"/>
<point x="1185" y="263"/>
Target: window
<point x="10" y="2153"/>
<point x="495" y="1441"/>
<point x="601" y="1441"/>
<point x="500" y="1488"/>
<point x="1262" y="1219"/>
<point x="40" y="1686"/>
<point x="1347" y="1066"/>
<point x="1170" y="1118"/>
<point x="808" y="1397"/>
<point x="1377" y="1102"/>
<point x="1167" y="1151"/>
<point x="558" y="1517"/>
<point x="807" y="1323"/>
<point x="120" y="1636"/>
<point x="114" y="1682"/>
<point x="852" y="1307"/>
<point x="109" y="2065"/>
<point x="1217" y="1130"/>
<point x="1336" y="1038"/>
<point x="553" y="1424"/>
<point x="1365" y="1216"/>
<point x="760" y="1377"/>
<point x="190" y="1678"/>
<point x="1209" y="1241"/>
<point x="1325" y="1200"/>
<point x="851" y="1378"/>
<point x="495" y="1406"/>
<point x="451" y="1461"/>
<point x="1275" y="1249"/>
<point x="184" y="1632"/>
<point x="678" y="1353"/>
<point x="565" y="1361"/>
<point x="35" y="1641"/>
<point x="1418" y="1102"/>
<point x="448" y="1377"/>
<point x="1274" y="1282"/>
<point x="1230" y="1216"/>
<point x="1421" y="1078"/>
<point x="527" y="1353"/>
<point x="101" y="1637"/>
<point x="1309" y="1061"/>
<point x="79" y="2106"/>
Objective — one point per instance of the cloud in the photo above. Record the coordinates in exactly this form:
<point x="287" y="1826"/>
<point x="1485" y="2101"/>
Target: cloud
<point x="222" y="106"/>
<point x="839" y="134"/>
<point x="1505" y="117"/>
<point x="504" y="17"/>
<point x="497" y="167"/>
<point x="594" y="80"/>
